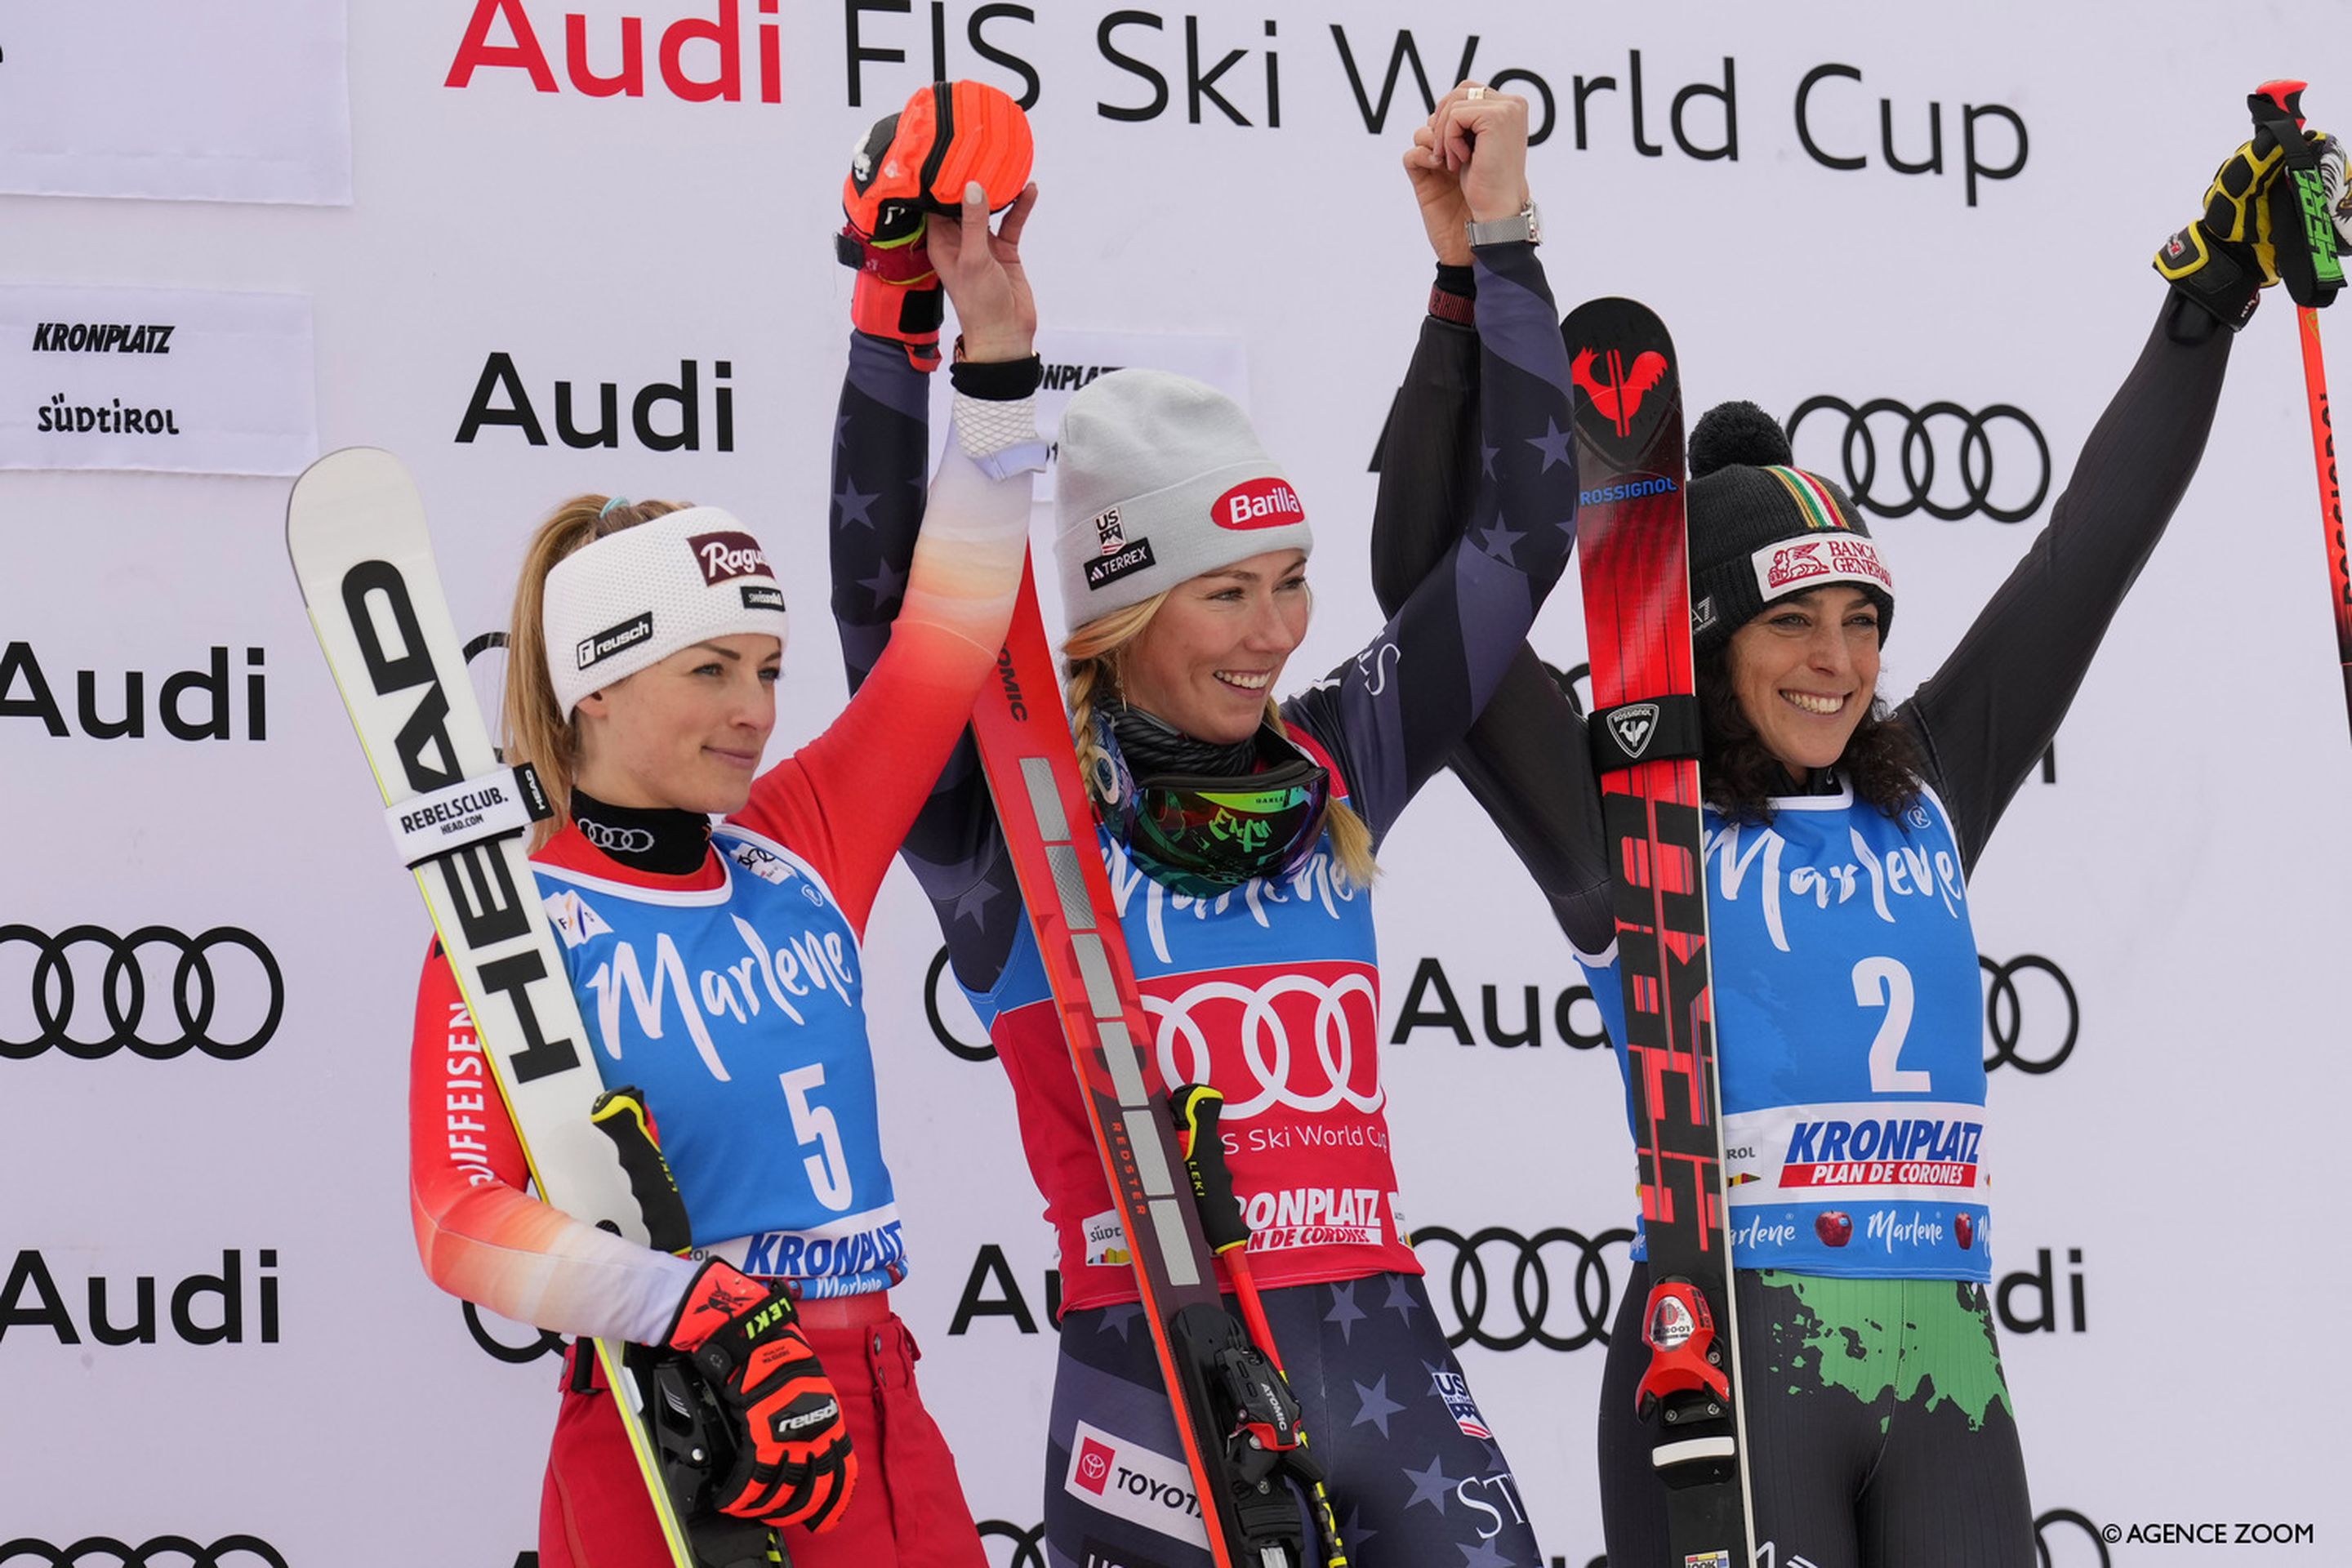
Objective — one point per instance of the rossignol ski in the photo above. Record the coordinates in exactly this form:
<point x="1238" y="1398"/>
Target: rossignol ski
<point x="356" y="530"/>
<point x="1216" y="1378"/>
<point x="1645" y="739"/>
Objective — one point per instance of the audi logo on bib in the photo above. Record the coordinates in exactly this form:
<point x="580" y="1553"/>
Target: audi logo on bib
<point x="1937" y="440"/>
<point x="161" y="1552"/>
<point x="1297" y="1033"/>
<point x="156" y="991"/>
<point x="2045" y="1045"/>
<point x="1559" y="1293"/>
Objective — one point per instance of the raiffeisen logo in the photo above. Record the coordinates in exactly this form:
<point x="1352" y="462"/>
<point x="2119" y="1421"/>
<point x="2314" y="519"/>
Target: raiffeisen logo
<point x="697" y="56"/>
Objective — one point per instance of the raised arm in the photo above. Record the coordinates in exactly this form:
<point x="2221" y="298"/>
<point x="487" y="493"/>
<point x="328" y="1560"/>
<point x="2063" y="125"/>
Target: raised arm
<point x="1524" y="759"/>
<point x="880" y="451"/>
<point x="1394" y="713"/>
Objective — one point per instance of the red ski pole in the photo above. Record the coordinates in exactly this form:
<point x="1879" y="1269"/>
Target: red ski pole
<point x="2277" y="108"/>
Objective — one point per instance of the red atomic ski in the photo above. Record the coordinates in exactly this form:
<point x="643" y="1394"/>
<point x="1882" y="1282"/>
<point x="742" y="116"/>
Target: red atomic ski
<point x="1207" y="1360"/>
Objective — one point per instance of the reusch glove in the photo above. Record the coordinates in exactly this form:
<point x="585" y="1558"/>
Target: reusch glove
<point x="792" y="1460"/>
<point x="909" y="166"/>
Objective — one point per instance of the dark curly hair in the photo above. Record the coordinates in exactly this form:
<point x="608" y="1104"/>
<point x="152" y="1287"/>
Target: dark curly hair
<point x="1881" y="759"/>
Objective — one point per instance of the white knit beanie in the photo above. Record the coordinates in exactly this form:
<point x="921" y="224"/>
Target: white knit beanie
<point x="1160" y="478"/>
<point x="631" y="599"/>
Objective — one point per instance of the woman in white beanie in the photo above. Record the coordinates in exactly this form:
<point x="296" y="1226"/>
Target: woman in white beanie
<point x="719" y="971"/>
<point x="1239" y="831"/>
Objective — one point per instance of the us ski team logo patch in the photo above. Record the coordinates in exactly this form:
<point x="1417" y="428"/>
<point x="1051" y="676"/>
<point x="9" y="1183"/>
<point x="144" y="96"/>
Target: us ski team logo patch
<point x="1454" y="1389"/>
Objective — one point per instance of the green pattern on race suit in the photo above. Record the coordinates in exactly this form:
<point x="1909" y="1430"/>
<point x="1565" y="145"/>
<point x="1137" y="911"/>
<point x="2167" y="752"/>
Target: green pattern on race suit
<point x="1876" y="1338"/>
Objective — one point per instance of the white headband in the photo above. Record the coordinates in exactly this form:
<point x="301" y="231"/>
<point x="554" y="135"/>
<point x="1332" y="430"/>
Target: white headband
<point x="632" y="598"/>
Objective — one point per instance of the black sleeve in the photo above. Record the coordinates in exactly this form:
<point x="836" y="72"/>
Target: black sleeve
<point x="1392" y="714"/>
<point x="880" y="456"/>
<point x="1990" y="711"/>
<point x="1525" y="760"/>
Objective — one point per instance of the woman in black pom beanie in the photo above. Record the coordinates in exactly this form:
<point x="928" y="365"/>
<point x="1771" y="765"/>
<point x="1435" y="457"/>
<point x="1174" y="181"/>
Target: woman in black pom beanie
<point x="1847" y="1004"/>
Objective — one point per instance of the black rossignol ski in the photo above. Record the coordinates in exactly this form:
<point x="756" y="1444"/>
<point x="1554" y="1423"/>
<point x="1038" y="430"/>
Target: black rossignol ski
<point x="1631" y="546"/>
<point x="355" y="530"/>
<point x="1212" y="1373"/>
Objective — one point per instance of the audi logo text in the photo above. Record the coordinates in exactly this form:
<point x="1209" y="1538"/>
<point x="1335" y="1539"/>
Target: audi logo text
<point x="67" y="1012"/>
<point x="1534" y="1308"/>
<point x="1918" y="457"/>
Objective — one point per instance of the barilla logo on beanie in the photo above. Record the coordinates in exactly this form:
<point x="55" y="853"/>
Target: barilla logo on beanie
<point x="1792" y="565"/>
<point x="1267" y="503"/>
<point x="596" y="649"/>
<point x="722" y="556"/>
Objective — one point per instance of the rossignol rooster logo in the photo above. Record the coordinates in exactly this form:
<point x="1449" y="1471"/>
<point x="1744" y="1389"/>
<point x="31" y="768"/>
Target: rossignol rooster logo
<point x="1633" y="724"/>
<point x="1627" y="384"/>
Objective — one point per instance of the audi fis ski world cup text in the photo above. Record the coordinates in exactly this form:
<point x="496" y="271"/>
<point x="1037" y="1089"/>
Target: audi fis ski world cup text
<point x="1221" y="69"/>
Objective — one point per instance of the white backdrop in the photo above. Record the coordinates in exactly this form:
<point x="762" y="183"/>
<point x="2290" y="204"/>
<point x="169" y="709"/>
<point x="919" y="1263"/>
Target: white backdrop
<point x="2169" y="1195"/>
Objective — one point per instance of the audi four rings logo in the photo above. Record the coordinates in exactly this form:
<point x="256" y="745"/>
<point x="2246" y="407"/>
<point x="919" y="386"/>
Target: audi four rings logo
<point x="615" y="841"/>
<point x="2005" y="1015"/>
<point x="1918" y="437"/>
<point x="1536" y="1309"/>
<point x="162" y="1552"/>
<point x="1266" y="1046"/>
<point x="65" y="1019"/>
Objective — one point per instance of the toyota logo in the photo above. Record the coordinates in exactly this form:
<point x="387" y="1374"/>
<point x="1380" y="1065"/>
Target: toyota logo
<point x="2005" y="1015"/>
<point x="1914" y="437"/>
<point x="162" y="1552"/>
<point x="1527" y="1312"/>
<point x="1028" y="1545"/>
<point x="123" y="993"/>
<point x="547" y="1343"/>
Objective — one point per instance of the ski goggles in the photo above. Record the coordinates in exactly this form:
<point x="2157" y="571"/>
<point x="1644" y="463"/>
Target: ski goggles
<point x="1206" y="835"/>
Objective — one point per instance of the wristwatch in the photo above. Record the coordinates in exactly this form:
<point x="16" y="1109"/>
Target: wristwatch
<point x="1525" y="223"/>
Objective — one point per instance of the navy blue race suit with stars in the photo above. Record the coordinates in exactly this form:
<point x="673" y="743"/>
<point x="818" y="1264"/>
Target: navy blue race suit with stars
<point x="1270" y="993"/>
<point x="1880" y="1429"/>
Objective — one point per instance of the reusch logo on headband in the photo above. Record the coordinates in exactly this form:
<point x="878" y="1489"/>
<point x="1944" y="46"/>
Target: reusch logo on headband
<point x="1780" y="567"/>
<point x="1269" y="502"/>
<point x="613" y="639"/>
<point x="722" y="556"/>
